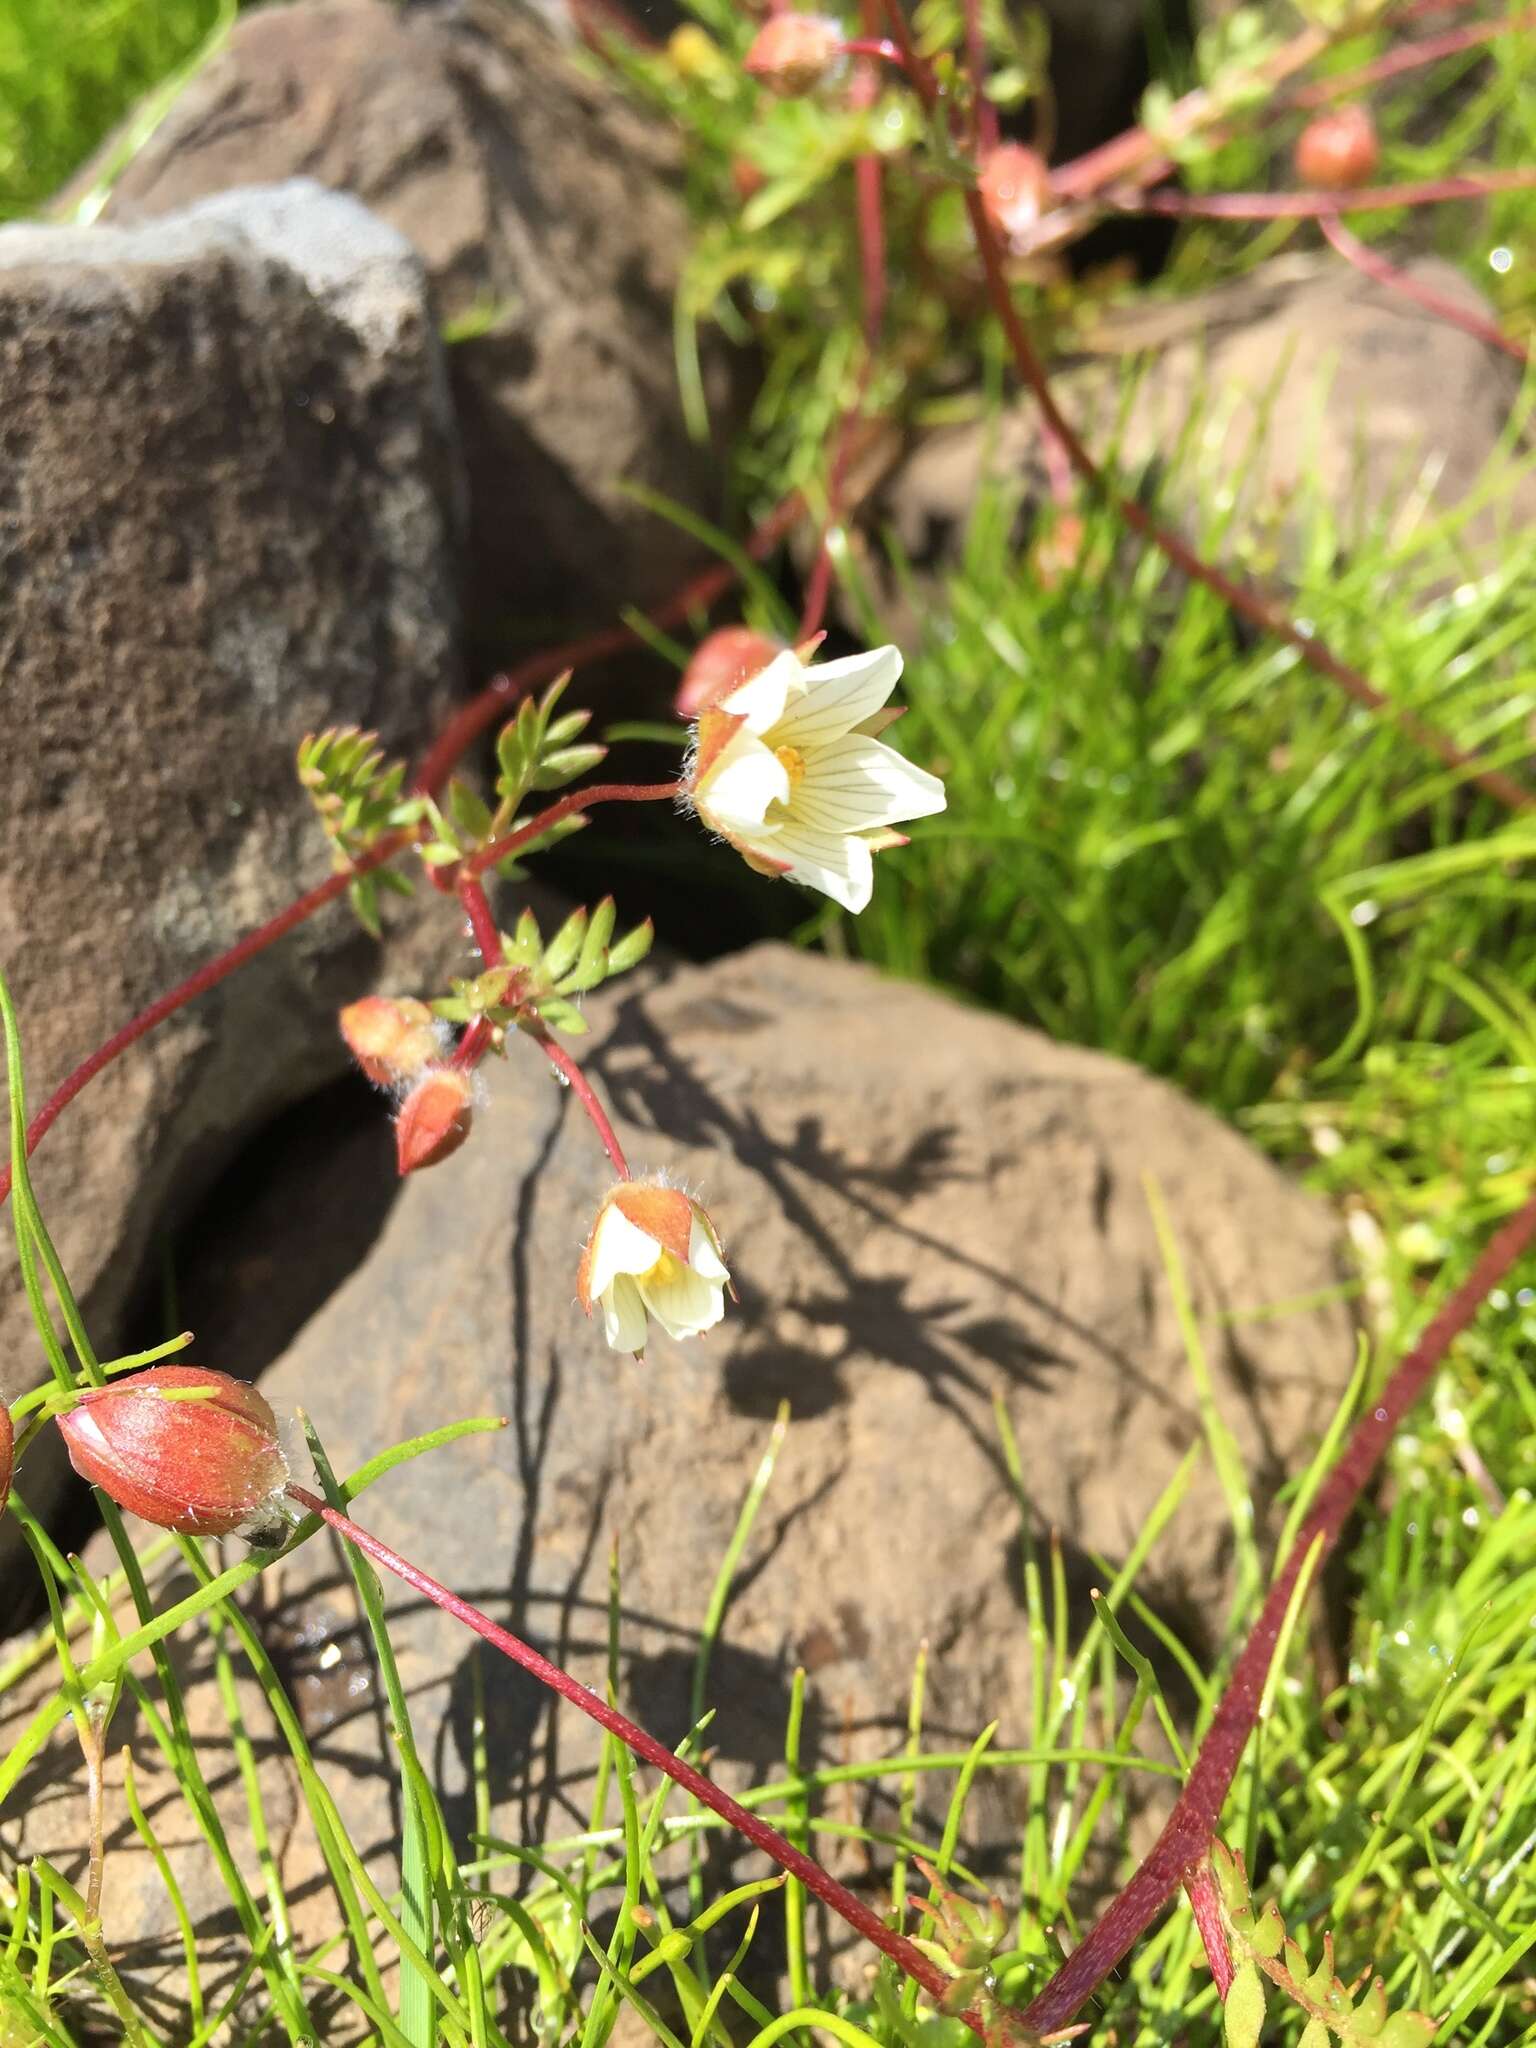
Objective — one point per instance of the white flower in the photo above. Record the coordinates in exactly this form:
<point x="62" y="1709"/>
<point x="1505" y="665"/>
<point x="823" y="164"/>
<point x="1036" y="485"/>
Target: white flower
<point x="653" y="1251"/>
<point x="788" y="769"/>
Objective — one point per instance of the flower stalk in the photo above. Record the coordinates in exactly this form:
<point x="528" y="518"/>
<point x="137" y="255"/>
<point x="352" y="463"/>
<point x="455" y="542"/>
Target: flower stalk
<point x="846" y="1904"/>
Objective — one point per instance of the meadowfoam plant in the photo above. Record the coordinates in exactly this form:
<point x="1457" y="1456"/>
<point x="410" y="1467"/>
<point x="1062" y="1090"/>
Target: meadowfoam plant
<point x="1273" y="845"/>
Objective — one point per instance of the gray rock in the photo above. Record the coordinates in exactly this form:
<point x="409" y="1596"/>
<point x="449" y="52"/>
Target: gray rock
<point x="546" y="212"/>
<point x="1316" y="386"/>
<point x="926" y="1207"/>
<point x="225" y="522"/>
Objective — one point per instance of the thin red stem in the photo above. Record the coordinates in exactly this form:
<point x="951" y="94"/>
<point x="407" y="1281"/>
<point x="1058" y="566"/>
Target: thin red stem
<point x="816" y="1881"/>
<point x="1241" y="597"/>
<point x="1374" y="265"/>
<point x="1205" y="1904"/>
<point x="1186" y="1836"/>
<point x="1408" y="57"/>
<point x="976" y="64"/>
<point x="1136" y="155"/>
<point x="566" y="807"/>
<point x="1316" y="205"/>
<point x="874" y="46"/>
<point x="583" y="1091"/>
<point x="198" y="984"/>
<point x="476" y="1040"/>
<point x="504" y="691"/>
<point x="869" y="216"/>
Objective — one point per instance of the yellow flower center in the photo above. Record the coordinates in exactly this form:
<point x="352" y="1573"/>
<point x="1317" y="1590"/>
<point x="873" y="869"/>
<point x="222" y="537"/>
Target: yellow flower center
<point x="794" y="765"/>
<point x="665" y="1270"/>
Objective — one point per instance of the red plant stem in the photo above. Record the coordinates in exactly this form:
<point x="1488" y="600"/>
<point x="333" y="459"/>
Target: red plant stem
<point x="1205" y="1904"/>
<point x="1407" y="57"/>
<point x="874" y="46"/>
<point x="842" y="1901"/>
<point x="198" y="984"/>
<point x="869" y="214"/>
<point x="1374" y="265"/>
<point x="976" y="64"/>
<point x="582" y="1089"/>
<point x="1186" y="1836"/>
<point x="476" y="1040"/>
<point x="503" y="691"/>
<point x="1136" y="154"/>
<point x="1315" y="205"/>
<point x="566" y="807"/>
<point x="1240" y="596"/>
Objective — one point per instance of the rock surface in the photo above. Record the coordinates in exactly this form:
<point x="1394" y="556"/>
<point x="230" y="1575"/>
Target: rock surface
<point x="924" y="1206"/>
<point x="544" y="208"/>
<point x="229" y="466"/>
<point x="1311" y="382"/>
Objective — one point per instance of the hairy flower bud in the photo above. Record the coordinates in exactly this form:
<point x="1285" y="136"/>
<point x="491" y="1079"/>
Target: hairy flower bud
<point x="792" y="53"/>
<point x="434" y="1118"/>
<point x="1015" y="189"/>
<point x="7" y="1454"/>
<point x="391" y="1037"/>
<point x="202" y="1466"/>
<point x="1338" y="150"/>
<point x="722" y="662"/>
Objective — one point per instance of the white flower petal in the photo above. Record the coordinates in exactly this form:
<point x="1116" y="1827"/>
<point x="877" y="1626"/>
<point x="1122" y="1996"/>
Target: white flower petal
<point x="702" y="1255"/>
<point x="856" y="784"/>
<point x="618" y="1246"/>
<point x="838" y="696"/>
<point x="760" y="700"/>
<point x="682" y="1301"/>
<point x="838" y="864"/>
<point x="734" y="793"/>
<point x="624" y="1315"/>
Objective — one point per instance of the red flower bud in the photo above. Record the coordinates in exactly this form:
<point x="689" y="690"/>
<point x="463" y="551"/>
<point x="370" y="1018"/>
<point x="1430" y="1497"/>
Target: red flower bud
<point x="792" y="53"/>
<point x="1338" y="150"/>
<point x="722" y="662"/>
<point x="7" y="1454"/>
<point x="1015" y="189"/>
<point x="1057" y="553"/>
<point x="391" y="1037"/>
<point x="434" y="1118"/>
<point x="202" y="1466"/>
<point x="746" y="177"/>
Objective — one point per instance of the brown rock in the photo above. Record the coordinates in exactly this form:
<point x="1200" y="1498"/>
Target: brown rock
<point x="925" y="1207"/>
<point x="544" y="209"/>
<point x="224" y="523"/>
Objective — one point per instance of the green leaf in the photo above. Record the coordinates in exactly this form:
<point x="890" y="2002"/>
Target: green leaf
<point x="1242" y="2016"/>
<point x="439" y="855"/>
<point x="470" y="811"/>
<point x="562" y="1016"/>
<point x="564" y="948"/>
<point x="363" y="895"/>
<point x="1267" y="1935"/>
<point x="566" y="764"/>
<point x="1408" y="2030"/>
<point x="1314" y="2035"/>
<point x="592" y="964"/>
<point x="632" y="948"/>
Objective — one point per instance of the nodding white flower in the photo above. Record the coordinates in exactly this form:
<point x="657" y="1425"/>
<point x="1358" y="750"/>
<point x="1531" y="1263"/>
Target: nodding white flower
<point x="789" y="770"/>
<point x="653" y="1252"/>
